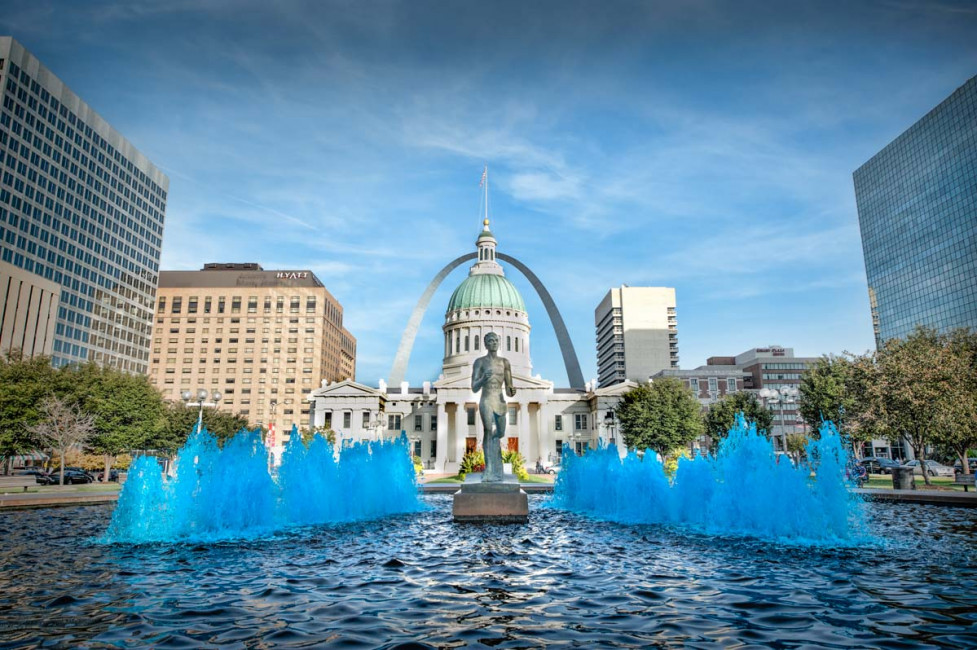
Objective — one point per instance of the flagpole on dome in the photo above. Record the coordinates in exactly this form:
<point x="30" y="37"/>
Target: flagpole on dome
<point x="484" y="184"/>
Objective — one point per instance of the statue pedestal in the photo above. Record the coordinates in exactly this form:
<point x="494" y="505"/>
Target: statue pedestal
<point x="495" y="503"/>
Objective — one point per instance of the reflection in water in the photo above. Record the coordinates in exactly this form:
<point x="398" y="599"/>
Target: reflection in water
<point x="418" y="577"/>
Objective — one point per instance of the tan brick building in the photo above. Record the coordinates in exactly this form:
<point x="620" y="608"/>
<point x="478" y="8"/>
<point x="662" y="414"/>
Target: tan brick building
<point x="264" y="339"/>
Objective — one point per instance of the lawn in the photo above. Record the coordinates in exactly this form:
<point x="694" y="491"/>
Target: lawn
<point x="457" y="479"/>
<point x="884" y="481"/>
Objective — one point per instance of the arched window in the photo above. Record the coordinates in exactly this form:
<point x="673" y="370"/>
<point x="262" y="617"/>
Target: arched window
<point x="466" y="344"/>
<point x="476" y="342"/>
<point x="517" y="344"/>
<point x="508" y="344"/>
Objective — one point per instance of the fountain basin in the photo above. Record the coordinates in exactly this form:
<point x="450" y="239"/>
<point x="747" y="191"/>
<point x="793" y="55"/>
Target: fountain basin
<point x="561" y="578"/>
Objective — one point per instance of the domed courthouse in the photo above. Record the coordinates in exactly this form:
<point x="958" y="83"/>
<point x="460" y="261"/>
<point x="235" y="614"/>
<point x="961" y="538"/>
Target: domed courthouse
<point x="441" y="418"/>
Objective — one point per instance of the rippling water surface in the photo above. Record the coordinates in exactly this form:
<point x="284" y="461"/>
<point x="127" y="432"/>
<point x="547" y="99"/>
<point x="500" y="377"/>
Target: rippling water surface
<point x="419" y="578"/>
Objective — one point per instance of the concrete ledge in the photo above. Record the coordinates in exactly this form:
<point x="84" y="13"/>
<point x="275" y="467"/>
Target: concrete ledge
<point x="927" y="497"/>
<point x="53" y="499"/>
<point x="451" y="488"/>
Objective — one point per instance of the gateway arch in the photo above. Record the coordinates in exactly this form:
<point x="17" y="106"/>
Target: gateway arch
<point x="399" y="370"/>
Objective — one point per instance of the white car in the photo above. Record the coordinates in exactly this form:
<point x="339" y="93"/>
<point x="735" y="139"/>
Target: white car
<point x="933" y="468"/>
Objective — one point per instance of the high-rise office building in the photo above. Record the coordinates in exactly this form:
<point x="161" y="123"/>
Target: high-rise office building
<point x="82" y="208"/>
<point x="917" y="209"/>
<point x="637" y="335"/>
<point x="263" y="339"/>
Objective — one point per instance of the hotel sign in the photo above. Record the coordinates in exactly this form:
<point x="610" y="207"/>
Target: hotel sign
<point x="293" y="275"/>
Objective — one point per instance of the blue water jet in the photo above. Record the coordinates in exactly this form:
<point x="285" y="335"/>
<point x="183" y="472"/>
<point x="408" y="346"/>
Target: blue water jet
<point x="744" y="489"/>
<point x="229" y="493"/>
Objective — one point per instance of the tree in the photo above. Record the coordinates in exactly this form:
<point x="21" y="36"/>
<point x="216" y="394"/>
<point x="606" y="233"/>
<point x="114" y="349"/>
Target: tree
<point x="129" y="412"/>
<point x="62" y="426"/>
<point x="722" y="415"/>
<point x="902" y="394"/>
<point x="825" y="394"/>
<point x="662" y="415"/>
<point x="957" y="418"/>
<point x="180" y="420"/>
<point x="23" y="386"/>
<point x="796" y="446"/>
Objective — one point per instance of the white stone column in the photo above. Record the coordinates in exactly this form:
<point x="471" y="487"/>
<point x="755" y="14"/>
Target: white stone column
<point x="539" y="450"/>
<point x="524" y="432"/>
<point x="461" y="431"/>
<point x="442" y="438"/>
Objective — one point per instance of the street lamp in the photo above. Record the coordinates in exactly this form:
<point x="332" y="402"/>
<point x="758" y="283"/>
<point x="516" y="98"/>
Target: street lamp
<point x="202" y="396"/>
<point x="786" y="395"/>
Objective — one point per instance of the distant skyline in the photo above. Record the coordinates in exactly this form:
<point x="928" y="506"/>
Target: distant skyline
<point x="706" y="146"/>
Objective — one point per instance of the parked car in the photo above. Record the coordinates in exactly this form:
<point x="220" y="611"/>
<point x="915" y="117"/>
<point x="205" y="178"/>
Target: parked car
<point x="958" y="468"/>
<point x="113" y="475"/>
<point x="72" y="476"/>
<point x="879" y="465"/>
<point x="40" y="476"/>
<point x="933" y="468"/>
<point x="553" y="469"/>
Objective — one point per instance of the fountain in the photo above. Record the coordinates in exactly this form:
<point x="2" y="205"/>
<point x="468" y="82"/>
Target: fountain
<point x="734" y="549"/>
<point x="744" y="489"/>
<point x="229" y="493"/>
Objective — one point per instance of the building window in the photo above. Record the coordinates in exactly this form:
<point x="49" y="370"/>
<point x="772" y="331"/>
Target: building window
<point x="393" y="422"/>
<point x="162" y="305"/>
<point x="466" y="344"/>
<point x="434" y="423"/>
<point x="177" y="305"/>
<point x="508" y="344"/>
<point x="207" y="303"/>
<point x="418" y="423"/>
<point x="513" y="415"/>
<point x="471" y="416"/>
<point x="220" y="304"/>
<point x="694" y="385"/>
<point x="236" y="304"/>
<point x="434" y="448"/>
<point x="730" y="385"/>
<point x="517" y="344"/>
<point x="192" y="305"/>
<point x="366" y="420"/>
<point x="559" y="423"/>
<point x="713" y="385"/>
<point x="580" y="421"/>
<point x="476" y="342"/>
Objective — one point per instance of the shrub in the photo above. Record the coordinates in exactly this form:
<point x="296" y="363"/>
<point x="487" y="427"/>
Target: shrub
<point x="474" y="461"/>
<point x="518" y="464"/>
<point x="418" y="465"/>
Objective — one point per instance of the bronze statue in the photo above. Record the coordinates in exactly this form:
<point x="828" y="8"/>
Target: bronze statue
<point x="490" y="375"/>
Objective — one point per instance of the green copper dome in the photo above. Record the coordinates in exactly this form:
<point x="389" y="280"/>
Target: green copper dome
<point x="486" y="290"/>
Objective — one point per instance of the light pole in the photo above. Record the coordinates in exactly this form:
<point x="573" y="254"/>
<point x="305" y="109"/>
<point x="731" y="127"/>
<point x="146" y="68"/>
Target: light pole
<point x="202" y="396"/>
<point x="772" y="396"/>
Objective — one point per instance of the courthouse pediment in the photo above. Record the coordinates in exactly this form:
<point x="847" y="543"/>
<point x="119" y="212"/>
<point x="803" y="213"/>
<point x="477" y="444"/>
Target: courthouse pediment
<point x="346" y="388"/>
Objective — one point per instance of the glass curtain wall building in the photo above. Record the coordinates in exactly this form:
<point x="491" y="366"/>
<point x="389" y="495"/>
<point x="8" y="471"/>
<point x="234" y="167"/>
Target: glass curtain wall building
<point x="917" y="209"/>
<point x="81" y="207"/>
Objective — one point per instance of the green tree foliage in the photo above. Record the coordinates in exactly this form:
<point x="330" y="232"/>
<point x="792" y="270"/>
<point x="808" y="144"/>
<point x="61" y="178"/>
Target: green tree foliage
<point x="826" y="392"/>
<point x="129" y="412"/>
<point x="904" y="392"/>
<point x="662" y="415"/>
<point x="180" y="420"/>
<point x="957" y="419"/>
<point x="722" y="415"/>
<point x="24" y="383"/>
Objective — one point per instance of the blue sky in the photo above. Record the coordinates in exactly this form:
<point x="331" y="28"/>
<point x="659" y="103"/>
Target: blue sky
<point x="706" y="146"/>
